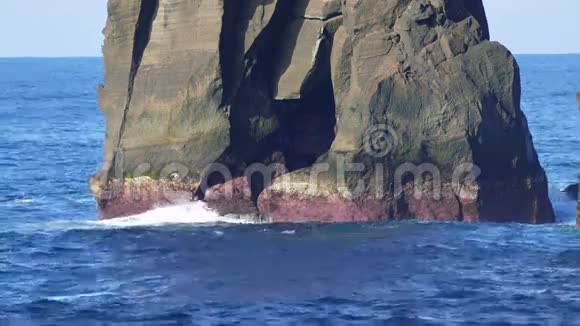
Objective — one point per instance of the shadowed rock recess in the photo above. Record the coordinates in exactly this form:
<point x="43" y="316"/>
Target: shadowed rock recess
<point x="198" y="91"/>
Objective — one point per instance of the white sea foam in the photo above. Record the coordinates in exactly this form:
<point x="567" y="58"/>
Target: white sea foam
<point x="72" y="298"/>
<point x="189" y="213"/>
<point x="24" y="200"/>
<point x="196" y="213"/>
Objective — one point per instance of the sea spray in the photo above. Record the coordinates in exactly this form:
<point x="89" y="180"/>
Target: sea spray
<point x="189" y="213"/>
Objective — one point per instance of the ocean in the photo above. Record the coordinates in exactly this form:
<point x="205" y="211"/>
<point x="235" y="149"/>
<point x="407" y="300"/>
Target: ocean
<point x="184" y="265"/>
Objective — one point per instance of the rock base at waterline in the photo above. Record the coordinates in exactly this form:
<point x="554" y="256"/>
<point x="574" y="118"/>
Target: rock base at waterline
<point x="135" y="196"/>
<point x="300" y="206"/>
<point x="232" y="197"/>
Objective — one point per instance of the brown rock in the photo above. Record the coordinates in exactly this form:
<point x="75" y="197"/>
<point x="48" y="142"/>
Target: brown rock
<point x="302" y="61"/>
<point x="136" y="196"/>
<point x="322" y="9"/>
<point x="193" y="83"/>
<point x="232" y="197"/>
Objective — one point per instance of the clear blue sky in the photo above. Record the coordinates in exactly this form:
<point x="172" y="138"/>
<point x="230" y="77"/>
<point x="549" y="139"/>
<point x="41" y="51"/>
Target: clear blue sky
<point x="73" y="27"/>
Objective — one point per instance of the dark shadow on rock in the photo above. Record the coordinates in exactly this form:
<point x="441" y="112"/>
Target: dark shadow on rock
<point x="236" y="20"/>
<point x="263" y="130"/>
<point x="147" y="14"/>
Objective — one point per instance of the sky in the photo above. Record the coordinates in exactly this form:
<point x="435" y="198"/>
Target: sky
<point x="64" y="28"/>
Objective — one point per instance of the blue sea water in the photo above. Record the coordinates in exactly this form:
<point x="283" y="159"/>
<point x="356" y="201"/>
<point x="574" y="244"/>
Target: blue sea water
<point x="59" y="266"/>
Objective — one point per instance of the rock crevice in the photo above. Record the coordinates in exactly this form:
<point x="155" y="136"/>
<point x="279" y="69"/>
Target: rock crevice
<point x="142" y="36"/>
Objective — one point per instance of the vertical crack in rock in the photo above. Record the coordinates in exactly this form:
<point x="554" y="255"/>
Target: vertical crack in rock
<point x="147" y="14"/>
<point x="252" y="120"/>
<point x="294" y="132"/>
<point x="236" y="32"/>
<point x="231" y="47"/>
<point x="460" y="214"/>
<point x="248" y="29"/>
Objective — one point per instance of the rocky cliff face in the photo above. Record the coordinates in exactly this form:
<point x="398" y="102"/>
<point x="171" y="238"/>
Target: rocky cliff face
<point x="578" y="209"/>
<point x="358" y="109"/>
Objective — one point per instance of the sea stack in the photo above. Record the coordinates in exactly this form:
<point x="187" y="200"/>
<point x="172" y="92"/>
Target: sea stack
<point x="578" y="204"/>
<point x="578" y="208"/>
<point x="315" y="111"/>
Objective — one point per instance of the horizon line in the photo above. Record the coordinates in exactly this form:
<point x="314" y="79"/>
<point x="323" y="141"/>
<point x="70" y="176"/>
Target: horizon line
<point x="100" y="56"/>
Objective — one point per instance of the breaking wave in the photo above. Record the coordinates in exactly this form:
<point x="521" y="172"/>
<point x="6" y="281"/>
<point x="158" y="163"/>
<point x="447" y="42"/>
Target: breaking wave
<point x="194" y="214"/>
<point x="189" y="213"/>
